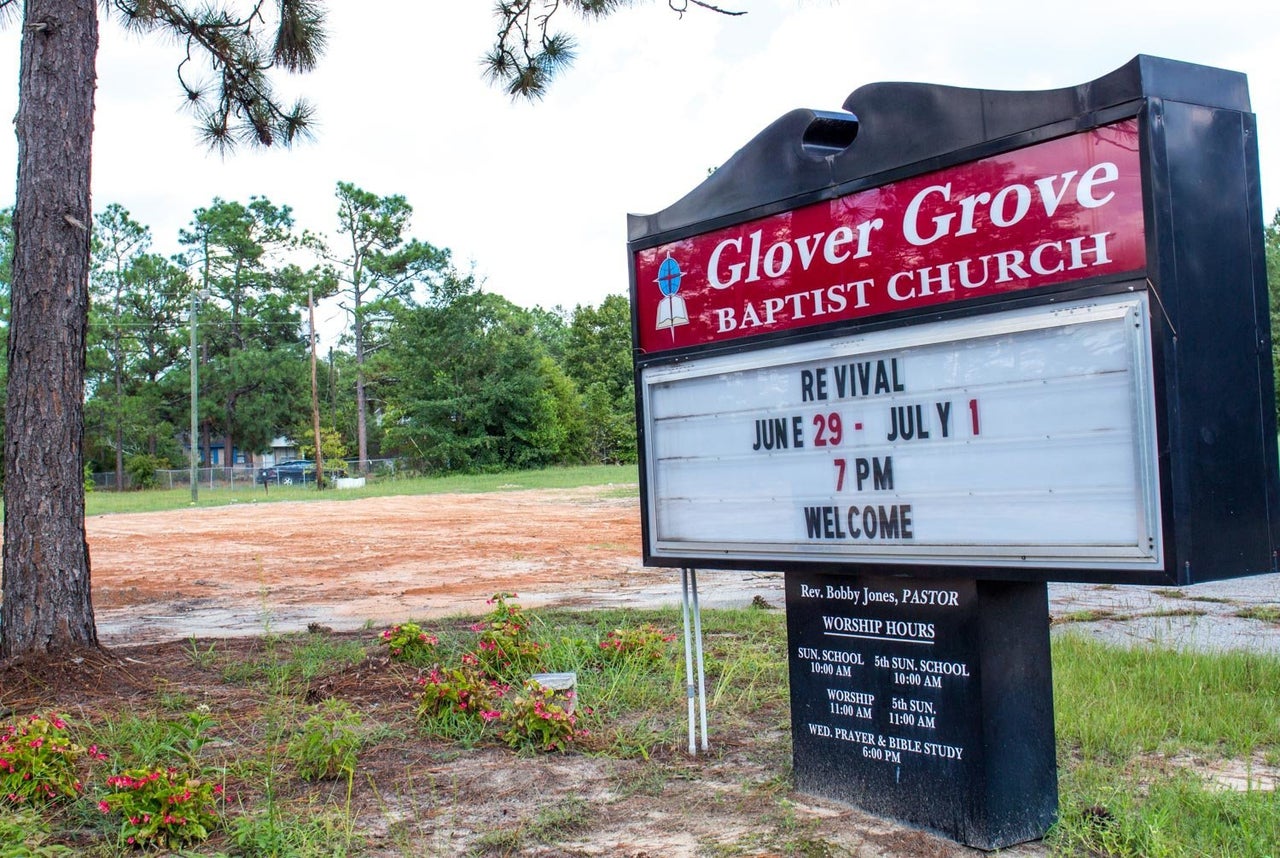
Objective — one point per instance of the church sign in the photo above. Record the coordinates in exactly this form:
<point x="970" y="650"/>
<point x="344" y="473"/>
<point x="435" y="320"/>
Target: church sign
<point x="931" y="352"/>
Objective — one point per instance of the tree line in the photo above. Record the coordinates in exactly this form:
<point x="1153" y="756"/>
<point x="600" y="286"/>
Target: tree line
<point x="430" y="369"/>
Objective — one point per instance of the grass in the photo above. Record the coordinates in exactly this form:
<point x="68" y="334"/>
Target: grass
<point x="1265" y="613"/>
<point x="1126" y="716"/>
<point x="1129" y="723"/>
<point x="623" y="477"/>
<point x="1114" y="703"/>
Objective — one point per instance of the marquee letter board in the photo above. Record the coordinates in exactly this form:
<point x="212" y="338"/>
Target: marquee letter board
<point x="1006" y="335"/>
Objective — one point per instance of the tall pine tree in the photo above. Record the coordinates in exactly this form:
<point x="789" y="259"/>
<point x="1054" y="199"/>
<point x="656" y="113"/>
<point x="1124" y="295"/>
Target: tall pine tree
<point x="47" y="605"/>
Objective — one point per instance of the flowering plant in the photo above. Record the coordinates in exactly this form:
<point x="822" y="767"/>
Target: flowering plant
<point x="38" y="760"/>
<point x="408" y="642"/>
<point x="646" y="643"/>
<point x="541" y="719"/>
<point x="162" y="807"/>
<point x="463" y="689"/>
<point x="506" y="643"/>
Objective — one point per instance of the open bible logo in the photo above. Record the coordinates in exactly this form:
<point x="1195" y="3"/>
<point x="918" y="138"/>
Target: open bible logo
<point x="671" y="309"/>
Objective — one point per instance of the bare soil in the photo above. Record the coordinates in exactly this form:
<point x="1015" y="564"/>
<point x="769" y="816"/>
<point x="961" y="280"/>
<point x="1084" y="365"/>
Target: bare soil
<point x="181" y="595"/>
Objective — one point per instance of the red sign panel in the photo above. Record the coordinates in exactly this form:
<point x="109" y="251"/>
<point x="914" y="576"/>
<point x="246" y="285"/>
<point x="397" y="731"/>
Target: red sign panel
<point x="1068" y="209"/>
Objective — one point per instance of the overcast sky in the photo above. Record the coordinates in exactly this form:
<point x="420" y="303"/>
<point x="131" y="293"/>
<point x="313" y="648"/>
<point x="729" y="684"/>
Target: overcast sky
<point x="535" y="196"/>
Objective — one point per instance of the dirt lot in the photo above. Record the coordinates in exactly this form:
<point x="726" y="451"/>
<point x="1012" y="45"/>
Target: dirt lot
<point x="231" y="570"/>
<point x="162" y="580"/>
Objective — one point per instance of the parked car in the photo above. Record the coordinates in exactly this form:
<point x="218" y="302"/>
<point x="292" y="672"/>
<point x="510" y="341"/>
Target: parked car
<point x="298" y="472"/>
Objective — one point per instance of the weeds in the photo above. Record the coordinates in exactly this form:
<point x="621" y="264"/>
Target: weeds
<point x="328" y="743"/>
<point x="201" y="658"/>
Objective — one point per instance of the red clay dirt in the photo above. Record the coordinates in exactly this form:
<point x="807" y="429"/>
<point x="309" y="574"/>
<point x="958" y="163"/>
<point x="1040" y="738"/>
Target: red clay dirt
<point x="237" y="569"/>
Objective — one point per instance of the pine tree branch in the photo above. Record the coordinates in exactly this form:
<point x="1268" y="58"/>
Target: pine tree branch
<point x="527" y="53"/>
<point x="682" y="6"/>
<point x="245" y="108"/>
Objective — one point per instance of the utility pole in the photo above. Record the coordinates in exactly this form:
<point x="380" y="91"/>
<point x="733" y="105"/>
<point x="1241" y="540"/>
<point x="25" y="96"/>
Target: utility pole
<point x="315" y="391"/>
<point x="195" y="395"/>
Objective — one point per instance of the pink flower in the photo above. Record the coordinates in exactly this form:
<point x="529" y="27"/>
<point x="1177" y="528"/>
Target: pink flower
<point x="104" y="807"/>
<point x="490" y="715"/>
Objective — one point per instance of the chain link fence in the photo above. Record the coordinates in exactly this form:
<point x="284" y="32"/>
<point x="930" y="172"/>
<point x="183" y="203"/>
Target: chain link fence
<point x="240" y="478"/>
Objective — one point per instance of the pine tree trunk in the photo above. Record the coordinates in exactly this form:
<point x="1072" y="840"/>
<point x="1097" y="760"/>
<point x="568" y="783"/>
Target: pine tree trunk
<point x="47" y="605"/>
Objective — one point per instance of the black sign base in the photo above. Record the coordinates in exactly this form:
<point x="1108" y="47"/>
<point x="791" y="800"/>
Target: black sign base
<point x="926" y="701"/>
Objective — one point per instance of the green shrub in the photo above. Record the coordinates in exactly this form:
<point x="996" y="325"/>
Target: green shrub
<point x="465" y="689"/>
<point x="507" y="647"/>
<point x="644" y="643"/>
<point x="141" y="468"/>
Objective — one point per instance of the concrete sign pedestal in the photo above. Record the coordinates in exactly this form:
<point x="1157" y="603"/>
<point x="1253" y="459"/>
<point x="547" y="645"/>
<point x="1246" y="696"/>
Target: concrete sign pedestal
<point x="930" y="702"/>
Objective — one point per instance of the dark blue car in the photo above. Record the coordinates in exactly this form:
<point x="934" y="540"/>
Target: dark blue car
<point x="297" y="472"/>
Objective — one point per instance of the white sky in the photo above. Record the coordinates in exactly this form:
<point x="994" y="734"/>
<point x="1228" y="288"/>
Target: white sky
<point x="536" y="196"/>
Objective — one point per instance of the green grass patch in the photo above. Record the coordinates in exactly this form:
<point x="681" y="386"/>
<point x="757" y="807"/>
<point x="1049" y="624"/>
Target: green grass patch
<point x="1124" y="716"/>
<point x="547" y="827"/>
<point x="1115" y="703"/>
<point x="1090" y="615"/>
<point x="1140" y="812"/>
<point x="1266" y="613"/>
<point x="1186" y="611"/>
<point x="621" y="480"/>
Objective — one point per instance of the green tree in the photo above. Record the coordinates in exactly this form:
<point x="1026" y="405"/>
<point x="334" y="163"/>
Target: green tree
<point x="598" y="359"/>
<point x="380" y="266"/>
<point x="135" y="344"/>
<point x="118" y="242"/>
<point x="528" y="53"/>
<point x="157" y="304"/>
<point x="469" y="386"/>
<point x="552" y="328"/>
<point x="255" y="369"/>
